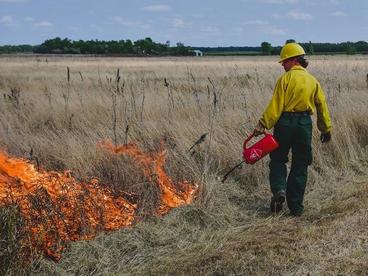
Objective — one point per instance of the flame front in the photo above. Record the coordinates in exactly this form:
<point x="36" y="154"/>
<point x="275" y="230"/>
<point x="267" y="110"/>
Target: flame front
<point x="57" y="208"/>
<point x="153" y="165"/>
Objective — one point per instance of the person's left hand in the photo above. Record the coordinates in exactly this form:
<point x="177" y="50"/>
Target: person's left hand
<point x="325" y="137"/>
<point x="259" y="129"/>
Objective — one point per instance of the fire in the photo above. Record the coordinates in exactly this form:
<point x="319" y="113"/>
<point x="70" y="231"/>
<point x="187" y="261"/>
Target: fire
<point x="57" y="208"/>
<point x="153" y="165"/>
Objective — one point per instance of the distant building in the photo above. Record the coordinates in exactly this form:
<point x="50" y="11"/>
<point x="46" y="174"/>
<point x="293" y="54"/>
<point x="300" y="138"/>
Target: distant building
<point x="198" y="53"/>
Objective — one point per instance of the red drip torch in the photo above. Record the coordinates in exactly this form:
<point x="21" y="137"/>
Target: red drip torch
<point x="255" y="152"/>
<point x="263" y="147"/>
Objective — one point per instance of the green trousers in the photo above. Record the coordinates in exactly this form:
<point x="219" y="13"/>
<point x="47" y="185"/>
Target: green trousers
<point x="295" y="133"/>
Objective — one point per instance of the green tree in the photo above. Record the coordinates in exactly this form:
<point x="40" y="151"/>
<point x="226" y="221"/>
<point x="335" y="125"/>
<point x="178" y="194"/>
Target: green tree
<point x="361" y="46"/>
<point x="350" y="49"/>
<point x="310" y="48"/>
<point x="115" y="47"/>
<point x="57" y="45"/>
<point x="290" y="41"/>
<point x="128" y="46"/>
<point x="266" y="48"/>
<point x="180" y="49"/>
<point x="145" y="46"/>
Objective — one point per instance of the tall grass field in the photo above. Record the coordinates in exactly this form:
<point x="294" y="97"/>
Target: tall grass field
<point x="55" y="110"/>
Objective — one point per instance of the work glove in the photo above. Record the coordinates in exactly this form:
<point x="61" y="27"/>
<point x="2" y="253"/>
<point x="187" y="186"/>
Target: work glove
<point x="325" y="137"/>
<point x="259" y="129"/>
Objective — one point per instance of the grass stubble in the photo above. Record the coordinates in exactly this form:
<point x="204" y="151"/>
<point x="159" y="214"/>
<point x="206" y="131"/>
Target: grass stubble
<point x="54" y="110"/>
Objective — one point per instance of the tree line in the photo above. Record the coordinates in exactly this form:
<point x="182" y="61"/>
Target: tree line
<point x="311" y="48"/>
<point x="360" y="47"/>
<point x="147" y="47"/>
<point x="141" y="47"/>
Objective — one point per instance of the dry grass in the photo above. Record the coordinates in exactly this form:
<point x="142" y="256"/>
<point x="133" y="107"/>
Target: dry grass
<point x="228" y="229"/>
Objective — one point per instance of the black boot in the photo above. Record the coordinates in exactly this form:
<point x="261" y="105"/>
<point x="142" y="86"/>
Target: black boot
<point x="277" y="201"/>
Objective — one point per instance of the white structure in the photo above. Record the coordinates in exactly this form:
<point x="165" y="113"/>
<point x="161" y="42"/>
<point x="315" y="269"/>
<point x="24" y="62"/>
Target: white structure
<point x="198" y="53"/>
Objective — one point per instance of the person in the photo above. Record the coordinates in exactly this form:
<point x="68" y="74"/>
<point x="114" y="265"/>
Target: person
<point x="297" y="95"/>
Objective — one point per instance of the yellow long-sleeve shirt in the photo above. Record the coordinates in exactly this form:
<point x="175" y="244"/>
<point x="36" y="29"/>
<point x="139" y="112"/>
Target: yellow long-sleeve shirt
<point x="297" y="91"/>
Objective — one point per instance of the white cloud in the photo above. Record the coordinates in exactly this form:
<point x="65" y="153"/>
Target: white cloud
<point x="338" y="14"/>
<point x="42" y="24"/>
<point x="157" y="8"/>
<point x="256" y="22"/>
<point x="7" y="20"/>
<point x="298" y="15"/>
<point x="279" y="1"/>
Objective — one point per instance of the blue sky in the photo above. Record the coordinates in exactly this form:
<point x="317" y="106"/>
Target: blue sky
<point x="194" y="23"/>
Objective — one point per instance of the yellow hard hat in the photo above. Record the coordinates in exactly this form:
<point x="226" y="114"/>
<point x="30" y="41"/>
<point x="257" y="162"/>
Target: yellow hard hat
<point x="291" y="50"/>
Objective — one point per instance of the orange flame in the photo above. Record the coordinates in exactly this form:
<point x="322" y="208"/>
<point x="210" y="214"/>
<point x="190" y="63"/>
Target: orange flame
<point x="153" y="165"/>
<point x="58" y="209"/>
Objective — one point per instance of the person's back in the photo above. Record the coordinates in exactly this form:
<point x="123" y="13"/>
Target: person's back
<point x="297" y="91"/>
<point x="300" y="89"/>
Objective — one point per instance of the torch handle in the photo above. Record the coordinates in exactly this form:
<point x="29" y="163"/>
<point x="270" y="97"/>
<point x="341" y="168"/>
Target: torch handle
<point x="250" y="138"/>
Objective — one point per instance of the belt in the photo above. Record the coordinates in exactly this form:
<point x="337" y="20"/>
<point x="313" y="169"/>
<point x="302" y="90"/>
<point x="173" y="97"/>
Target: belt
<point x="296" y="114"/>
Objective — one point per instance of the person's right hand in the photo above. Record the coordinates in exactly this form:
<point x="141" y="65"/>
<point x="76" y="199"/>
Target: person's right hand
<point x="325" y="137"/>
<point x="259" y="129"/>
